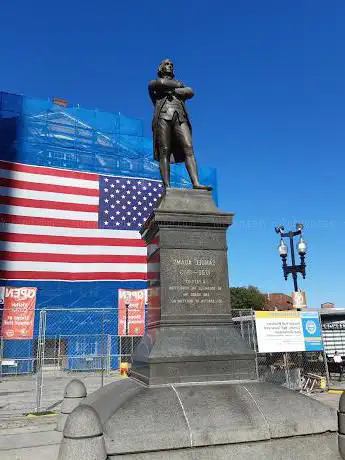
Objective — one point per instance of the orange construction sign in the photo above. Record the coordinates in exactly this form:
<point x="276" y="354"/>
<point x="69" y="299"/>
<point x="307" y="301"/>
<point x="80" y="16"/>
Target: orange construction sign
<point x="19" y="313"/>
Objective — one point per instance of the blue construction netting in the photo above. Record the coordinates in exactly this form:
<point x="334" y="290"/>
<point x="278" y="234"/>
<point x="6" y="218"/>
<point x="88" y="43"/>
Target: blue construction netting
<point x="39" y="132"/>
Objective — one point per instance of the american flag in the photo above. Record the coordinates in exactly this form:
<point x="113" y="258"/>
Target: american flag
<point x="58" y="224"/>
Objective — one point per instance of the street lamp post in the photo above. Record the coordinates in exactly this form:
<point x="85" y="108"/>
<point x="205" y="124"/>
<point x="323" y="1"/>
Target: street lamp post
<point x="283" y="252"/>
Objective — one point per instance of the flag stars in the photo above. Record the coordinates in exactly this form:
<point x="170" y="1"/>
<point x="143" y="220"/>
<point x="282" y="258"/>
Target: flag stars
<point x="106" y="180"/>
<point x="128" y="201"/>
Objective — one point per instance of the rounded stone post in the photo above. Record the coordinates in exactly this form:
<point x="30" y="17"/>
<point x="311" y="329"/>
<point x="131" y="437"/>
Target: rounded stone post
<point x="83" y="436"/>
<point x="75" y="393"/>
<point x="341" y="426"/>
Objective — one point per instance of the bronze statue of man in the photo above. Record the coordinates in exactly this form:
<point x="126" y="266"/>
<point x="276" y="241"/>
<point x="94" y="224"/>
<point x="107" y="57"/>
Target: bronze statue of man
<point x="172" y="130"/>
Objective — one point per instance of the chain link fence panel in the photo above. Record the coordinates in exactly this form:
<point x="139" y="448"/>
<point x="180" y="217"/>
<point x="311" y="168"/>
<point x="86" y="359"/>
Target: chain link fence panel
<point x="301" y="371"/>
<point x="85" y="343"/>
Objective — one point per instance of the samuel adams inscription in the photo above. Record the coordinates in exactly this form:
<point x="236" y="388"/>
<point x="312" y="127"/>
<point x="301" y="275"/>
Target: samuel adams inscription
<point x="198" y="284"/>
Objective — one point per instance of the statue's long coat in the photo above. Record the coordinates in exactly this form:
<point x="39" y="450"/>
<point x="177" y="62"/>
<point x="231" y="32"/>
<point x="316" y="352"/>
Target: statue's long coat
<point x="177" y="155"/>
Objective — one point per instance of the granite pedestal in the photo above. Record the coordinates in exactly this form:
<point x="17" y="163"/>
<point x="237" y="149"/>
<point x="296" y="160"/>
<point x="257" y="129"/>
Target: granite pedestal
<point x="191" y="336"/>
<point x="192" y="391"/>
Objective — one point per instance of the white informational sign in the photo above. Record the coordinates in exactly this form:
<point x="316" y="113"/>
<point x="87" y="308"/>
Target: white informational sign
<point x="284" y="331"/>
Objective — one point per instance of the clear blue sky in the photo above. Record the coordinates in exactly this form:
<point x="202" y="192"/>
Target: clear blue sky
<point x="269" y="111"/>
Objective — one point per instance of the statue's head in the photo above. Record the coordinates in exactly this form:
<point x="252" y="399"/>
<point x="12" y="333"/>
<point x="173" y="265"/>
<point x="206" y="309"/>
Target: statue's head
<point x="166" y="69"/>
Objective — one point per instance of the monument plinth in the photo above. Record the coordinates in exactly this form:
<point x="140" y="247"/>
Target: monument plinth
<point x="190" y="337"/>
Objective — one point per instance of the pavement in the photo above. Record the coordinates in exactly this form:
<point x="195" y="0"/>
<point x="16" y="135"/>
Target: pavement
<point x="25" y="436"/>
<point x="33" y="437"/>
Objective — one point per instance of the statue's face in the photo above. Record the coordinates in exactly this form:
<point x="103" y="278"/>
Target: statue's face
<point x="168" y="68"/>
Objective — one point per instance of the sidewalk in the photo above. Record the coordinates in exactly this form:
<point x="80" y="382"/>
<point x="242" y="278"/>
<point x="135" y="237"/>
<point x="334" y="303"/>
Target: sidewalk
<point x="34" y="437"/>
<point x="29" y="439"/>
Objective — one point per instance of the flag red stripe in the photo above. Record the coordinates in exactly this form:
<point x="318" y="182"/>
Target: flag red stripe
<point x="48" y="171"/>
<point x="47" y="222"/>
<point x="71" y="258"/>
<point x="65" y="276"/>
<point x="42" y="204"/>
<point x="25" y="185"/>
<point x="71" y="240"/>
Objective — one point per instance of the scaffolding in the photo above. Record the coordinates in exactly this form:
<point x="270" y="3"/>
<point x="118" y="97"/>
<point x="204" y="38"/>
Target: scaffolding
<point x="41" y="132"/>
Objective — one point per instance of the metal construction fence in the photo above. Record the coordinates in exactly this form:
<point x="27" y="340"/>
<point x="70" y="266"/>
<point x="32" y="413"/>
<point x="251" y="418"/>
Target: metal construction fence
<point x="85" y="342"/>
<point x="302" y="371"/>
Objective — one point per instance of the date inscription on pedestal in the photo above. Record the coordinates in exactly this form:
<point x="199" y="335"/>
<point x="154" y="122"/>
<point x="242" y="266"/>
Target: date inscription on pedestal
<point x="198" y="281"/>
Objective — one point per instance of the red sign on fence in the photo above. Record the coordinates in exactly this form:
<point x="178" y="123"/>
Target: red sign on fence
<point x="19" y="313"/>
<point x="131" y="305"/>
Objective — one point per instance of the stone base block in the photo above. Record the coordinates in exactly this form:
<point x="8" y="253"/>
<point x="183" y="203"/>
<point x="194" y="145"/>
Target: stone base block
<point x="317" y="447"/>
<point x="213" y="421"/>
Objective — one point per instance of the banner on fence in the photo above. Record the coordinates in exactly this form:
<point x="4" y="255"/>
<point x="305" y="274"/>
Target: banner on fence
<point x="281" y="331"/>
<point x="131" y="308"/>
<point x="19" y="313"/>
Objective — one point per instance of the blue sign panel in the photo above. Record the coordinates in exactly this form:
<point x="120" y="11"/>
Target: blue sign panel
<point x="312" y="331"/>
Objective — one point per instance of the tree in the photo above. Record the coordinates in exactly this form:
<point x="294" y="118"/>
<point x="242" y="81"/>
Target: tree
<point x="247" y="298"/>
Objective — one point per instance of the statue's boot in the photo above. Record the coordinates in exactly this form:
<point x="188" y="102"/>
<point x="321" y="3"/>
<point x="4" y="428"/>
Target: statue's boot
<point x="203" y="187"/>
